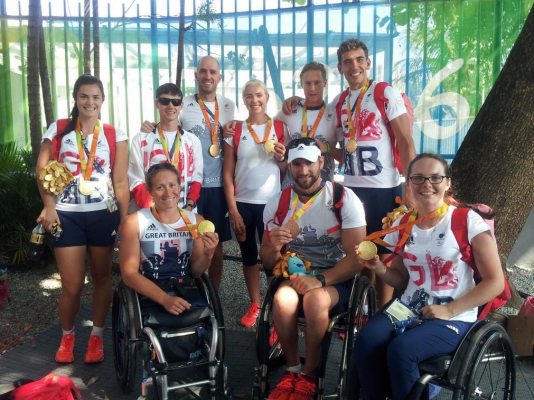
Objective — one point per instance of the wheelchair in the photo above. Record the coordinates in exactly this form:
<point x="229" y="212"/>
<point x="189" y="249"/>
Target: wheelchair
<point x="169" y="344"/>
<point x="344" y="325"/>
<point x="482" y="368"/>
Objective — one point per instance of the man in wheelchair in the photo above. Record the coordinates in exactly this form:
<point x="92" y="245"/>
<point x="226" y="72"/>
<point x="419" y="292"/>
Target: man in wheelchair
<point x="322" y="227"/>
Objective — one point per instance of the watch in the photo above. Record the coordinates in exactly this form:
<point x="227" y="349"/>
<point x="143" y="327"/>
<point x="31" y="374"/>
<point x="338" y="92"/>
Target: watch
<point x="321" y="279"/>
<point x="192" y="205"/>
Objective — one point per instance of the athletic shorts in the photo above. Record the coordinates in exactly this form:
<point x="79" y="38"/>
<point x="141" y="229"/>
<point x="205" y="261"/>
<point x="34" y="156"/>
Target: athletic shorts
<point x="88" y="228"/>
<point x="252" y="215"/>
<point x="212" y="206"/>
<point x="377" y="202"/>
<point x="343" y="291"/>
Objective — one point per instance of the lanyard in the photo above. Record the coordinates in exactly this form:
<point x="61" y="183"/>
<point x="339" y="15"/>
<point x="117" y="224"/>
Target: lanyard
<point x="294" y="201"/>
<point x="214" y="130"/>
<point x="407" y="227"/>
<point x="176" y="147"/>
<point x="87" y="167"/>
<point x="188" y="225"/>
<point x="267" y="131"/>
<point x="305" y="132"/>
<point x="353" y="126"/>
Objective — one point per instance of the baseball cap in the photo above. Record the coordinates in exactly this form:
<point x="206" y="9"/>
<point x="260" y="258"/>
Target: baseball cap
<point x="303" y="148"/>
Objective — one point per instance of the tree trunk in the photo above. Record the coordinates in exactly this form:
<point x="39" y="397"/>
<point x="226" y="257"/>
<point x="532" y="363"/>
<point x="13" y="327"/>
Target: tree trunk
<point x="181" y="33"/>
<point x="495" y="163"/>
<point x="96" y="40"/>
<point x="45" y="78"/>
<point x="87" y="37"/>
<point x="34" y="95"/>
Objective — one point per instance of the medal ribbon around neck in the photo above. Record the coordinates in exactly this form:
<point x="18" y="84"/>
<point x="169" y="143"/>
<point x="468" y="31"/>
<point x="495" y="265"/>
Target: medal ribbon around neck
<point x="294" y="202"/>
<point x="214" y="130"/>
<point x="176" y="154"/>
<point x="305" y="132"/>
<point x="407" y="227"/>
<point x="267" y="131"/>
<point x="192" y="228"/>
<point x="87" y="167"/>
<point x="352" y="121"/>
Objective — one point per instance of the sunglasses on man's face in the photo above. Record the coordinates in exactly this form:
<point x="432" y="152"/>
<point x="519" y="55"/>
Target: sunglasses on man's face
<point x="164" y="101"/>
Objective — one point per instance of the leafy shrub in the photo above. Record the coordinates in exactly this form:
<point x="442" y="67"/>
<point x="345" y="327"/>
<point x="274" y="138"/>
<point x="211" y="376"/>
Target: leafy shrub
<point x="20" y="203"/>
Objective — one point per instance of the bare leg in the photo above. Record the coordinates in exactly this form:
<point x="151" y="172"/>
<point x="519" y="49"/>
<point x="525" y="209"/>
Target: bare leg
<point x="285" y="308"/>
<point x="316" y="304"/>
<point x="252" y="280"/>
<point x="100" y="266"/>
<point x="71" y="265"/>
<point x="216" y="267"/>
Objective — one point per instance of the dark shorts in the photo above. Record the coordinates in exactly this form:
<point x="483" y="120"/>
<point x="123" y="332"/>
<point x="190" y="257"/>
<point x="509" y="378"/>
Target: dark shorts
<point x="377" y="202"/>
<point x="343" y="290"/>
<point x="89" y="228"/>
<point x="252" y="215"/>
<point x="212" y="206"/>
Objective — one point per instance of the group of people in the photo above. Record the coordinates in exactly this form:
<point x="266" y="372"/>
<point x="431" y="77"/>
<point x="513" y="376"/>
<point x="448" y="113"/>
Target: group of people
<point x="271" y="178"/>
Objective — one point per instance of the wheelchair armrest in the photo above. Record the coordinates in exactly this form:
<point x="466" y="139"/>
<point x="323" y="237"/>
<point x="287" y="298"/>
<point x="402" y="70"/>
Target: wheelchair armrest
<point x="162" y="319"/>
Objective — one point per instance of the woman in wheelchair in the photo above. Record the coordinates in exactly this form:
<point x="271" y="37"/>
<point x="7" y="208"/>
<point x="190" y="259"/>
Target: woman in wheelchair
<point x="438" y="287"/>
<point x="159" y="254"/>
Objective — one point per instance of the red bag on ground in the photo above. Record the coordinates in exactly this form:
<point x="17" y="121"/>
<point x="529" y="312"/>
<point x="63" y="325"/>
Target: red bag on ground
<point x="528" y="307"/>
<point x="49" y="387"/>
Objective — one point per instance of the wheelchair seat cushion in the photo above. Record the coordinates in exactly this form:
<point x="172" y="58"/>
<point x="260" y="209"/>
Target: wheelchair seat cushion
<point x="159" y="319"/>
<point x="436" y="365"/>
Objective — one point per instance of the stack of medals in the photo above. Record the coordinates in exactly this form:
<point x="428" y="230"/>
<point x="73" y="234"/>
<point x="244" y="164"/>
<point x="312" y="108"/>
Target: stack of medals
<point x="392" y="216"/>
<point x="55" y="176"/>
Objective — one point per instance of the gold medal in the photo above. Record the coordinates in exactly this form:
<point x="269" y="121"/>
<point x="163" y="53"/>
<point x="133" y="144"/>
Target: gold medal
<point x="367" y="250"/>
<point x="86" y="188"/>
<point x="214" y="150"/>
<point x="294" y="227"/>
<point x="205" y="226"/>
<point x="269" y="146"/>
<point x="351" y="146"/>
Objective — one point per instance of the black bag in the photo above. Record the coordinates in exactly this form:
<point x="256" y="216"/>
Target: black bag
<point x="184" y="344"/>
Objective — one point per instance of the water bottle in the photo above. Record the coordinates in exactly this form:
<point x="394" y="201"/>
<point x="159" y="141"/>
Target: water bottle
<point x="36" y="248"/>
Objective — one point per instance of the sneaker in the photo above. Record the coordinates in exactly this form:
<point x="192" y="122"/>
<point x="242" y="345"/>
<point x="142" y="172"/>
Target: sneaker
<point x="65" y="352"/>
<point x="249" y="319"/>
<point x="285" y="387"/>
<point x="95" y="350"/>
<point x="273" y="337"/>
<point x="305" y="388"/>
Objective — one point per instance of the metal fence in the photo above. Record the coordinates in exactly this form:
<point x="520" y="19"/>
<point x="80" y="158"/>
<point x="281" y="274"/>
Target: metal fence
<point x="444" y="54"/>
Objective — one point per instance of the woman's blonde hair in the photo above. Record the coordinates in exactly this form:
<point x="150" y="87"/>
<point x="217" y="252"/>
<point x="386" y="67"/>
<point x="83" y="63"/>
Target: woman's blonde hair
<point x="255" y="82"/>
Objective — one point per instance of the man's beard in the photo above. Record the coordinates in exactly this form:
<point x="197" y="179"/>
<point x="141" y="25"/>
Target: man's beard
<point x="309" y="184"/>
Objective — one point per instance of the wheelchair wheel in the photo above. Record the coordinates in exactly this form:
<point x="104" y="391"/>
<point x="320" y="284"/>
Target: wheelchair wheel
<point x="493" y="369"/>
<point x="123" y="328"/>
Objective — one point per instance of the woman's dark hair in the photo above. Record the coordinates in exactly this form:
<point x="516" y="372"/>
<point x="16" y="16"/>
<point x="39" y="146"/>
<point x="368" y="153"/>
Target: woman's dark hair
<point x="450" y="197"/>
<point x="156" y="169"/>
<point x="83" y="80"/>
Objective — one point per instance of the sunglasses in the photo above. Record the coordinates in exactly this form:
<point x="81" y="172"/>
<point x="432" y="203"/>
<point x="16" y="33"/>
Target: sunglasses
<point x="306" y="141"/>
<point x="164" y="101"/>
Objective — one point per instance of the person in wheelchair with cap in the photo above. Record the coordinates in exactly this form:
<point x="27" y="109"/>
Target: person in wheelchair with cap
<point x="311" y="227"/>
<point x="161" y="252"/>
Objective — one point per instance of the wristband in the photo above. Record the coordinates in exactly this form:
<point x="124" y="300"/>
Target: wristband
<point x="327" y="148"/>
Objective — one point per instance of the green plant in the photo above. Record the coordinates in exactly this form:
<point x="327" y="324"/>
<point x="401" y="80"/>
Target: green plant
<point x="20" y="205"/>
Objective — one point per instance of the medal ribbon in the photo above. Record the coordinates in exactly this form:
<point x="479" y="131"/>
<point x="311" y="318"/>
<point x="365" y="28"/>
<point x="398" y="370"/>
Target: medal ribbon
<point x="176" y="153"/>
<point x="267" y="131"/>
<point x="375" y="237"/>
<point x="294" y="201"/>
<point x="353" y="122"/>
<point x="87" y="167"/>
<point x="214" y="130"/>
<point x="192" y="228"/>
<point x="305" y="132"/>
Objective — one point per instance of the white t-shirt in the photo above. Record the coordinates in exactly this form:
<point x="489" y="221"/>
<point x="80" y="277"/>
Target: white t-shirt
<point x="326" y="132"/>
<point x="433" y="259"/>
<point x="147" y="150"/>
<point x="165" y="252"/>
<point x="372" y="165"/>
<point x="71" y="199"/>
<point x="319" y="241"/>
<point x="192" y="120"/>
<point x="257" y="174"/>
